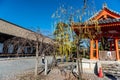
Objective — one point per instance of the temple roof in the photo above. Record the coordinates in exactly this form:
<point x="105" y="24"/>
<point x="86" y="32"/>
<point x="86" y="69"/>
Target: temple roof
<point x="105" y="13"/>
<point x="12" y="29"/>
<point x="104" y="16"/>
<point x="107" y="19"/>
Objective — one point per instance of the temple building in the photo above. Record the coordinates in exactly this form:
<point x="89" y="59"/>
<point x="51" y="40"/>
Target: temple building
<point x="16" y="40"/>
<point x="108" y="36"/>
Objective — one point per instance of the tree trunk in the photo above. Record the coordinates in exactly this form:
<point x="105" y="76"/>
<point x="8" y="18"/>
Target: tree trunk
<point x="79" y="65"/>
<point x="81" y="69"/>
<point x="37" y="60"/>
<point x="79" y="75"/>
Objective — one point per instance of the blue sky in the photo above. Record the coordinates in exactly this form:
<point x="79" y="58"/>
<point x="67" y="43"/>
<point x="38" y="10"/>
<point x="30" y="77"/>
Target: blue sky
<point x="37" y="13"/>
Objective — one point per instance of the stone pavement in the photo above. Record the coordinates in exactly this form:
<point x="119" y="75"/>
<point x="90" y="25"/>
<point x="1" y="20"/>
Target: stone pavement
<point x="9" y="67"/>
<point x="89" y="76"/>
<point x="112" y="70"/>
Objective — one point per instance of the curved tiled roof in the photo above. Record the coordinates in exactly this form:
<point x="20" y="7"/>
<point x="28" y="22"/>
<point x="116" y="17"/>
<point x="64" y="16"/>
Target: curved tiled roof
<point x="104" y="21"/>
<point x="94" y="15"/>
<point x="113" y="11"/>
<point x="105" y="7"/>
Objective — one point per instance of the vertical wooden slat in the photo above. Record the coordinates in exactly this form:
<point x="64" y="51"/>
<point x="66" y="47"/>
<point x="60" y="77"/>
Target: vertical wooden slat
<point x="110" y="45"/>
<point x="114" y="45"/>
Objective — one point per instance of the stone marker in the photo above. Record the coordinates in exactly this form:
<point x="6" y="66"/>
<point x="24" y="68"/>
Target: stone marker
<point x="46" y="66"/>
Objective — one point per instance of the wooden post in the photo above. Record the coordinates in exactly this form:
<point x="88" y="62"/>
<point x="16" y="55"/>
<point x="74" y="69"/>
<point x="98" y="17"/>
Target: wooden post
<point x="117" y="51"/>
<point x="97" y="49"/>
<point x="5" y="48"/>
<point x="114" y="45"/>
<point x="91" y="49"/>
<point x="110" y="45"/>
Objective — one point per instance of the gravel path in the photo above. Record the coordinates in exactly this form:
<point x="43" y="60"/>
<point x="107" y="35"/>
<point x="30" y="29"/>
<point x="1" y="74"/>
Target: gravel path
<point x="11" y="67"/>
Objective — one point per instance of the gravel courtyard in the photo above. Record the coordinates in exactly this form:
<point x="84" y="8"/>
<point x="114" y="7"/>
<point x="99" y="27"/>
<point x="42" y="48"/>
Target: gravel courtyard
<point x="13" y="66"/>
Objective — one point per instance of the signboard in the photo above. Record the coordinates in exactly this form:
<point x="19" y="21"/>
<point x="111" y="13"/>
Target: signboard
<point x="109" y="53"/>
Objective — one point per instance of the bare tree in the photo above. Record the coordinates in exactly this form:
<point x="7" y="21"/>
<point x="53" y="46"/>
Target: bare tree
<point x="69" y="17"/>
<point x="35" y="43"/>
<point x="42" y="45"/>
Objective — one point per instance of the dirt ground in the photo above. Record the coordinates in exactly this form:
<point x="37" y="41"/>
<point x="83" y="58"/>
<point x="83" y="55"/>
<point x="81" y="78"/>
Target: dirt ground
<point x="56" y="74"/>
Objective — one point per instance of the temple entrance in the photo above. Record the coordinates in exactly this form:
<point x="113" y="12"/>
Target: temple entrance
<point x="105" y="48"/>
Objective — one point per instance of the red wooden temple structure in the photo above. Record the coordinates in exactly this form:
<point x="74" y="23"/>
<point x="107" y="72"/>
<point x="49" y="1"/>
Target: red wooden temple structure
<point x="109" y="22"/>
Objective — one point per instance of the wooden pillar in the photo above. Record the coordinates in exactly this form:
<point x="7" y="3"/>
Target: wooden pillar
<point x="34" y="50"/>
<point x="5" y="48"/>
<point x="91" y="49"/>
<point x="15" y="49"/>
<point x="114" y="45"/>
<point x="97" y="57"/>
<point x="28" y="49"/>
<point x="117" y="49"/>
